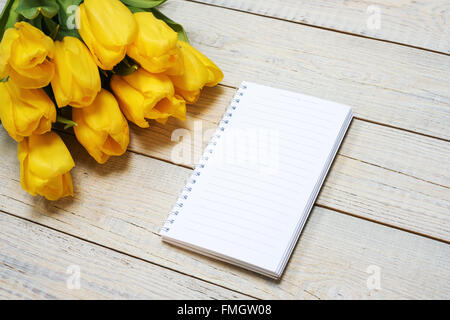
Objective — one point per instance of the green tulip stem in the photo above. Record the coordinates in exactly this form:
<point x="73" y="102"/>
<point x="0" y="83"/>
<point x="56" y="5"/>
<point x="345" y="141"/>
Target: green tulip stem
<point x="68" y="123"/>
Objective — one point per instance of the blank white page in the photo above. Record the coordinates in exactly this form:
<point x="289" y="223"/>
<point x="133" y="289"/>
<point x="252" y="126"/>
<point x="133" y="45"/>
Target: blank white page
<point x="250" y="195"/>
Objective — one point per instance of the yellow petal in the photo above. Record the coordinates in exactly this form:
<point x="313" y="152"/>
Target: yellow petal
<point x="89" y="138"/>
<point x="37" y="77"/>
<point x="9" y="37"/>
<point x="7" y="114"/>
<point x="62" y="80"/>
<point x="190" y="96"/>
<point x="25" y="179"/>
<point x="139" y="92"/>
<point x="45" y="165"/>
<point x="23" y="56"/>
<point x="144" y="95"/>
<point x="155" y="47"/>
<point x="45" y="125"/>
<point x="171" y="106"/>
<point x="131" y="101"/>
<point x="98" y="21"/>
<point x="26" y="111"/>
<point x="31" y="49"/>
<point x="215" y="74"/>
<point x="102" y="129"/>
<point x="77" y="79"/>
<point x="153" y="86"/>
<point x="34" y="111"/>
<point x="196" y="75"/>
<point x="199" y="71"/>
<point x="111" y="21"/>
<point x="178" y="68"/>
<point x="81" y="64"/>
<point x="49" y="156"/>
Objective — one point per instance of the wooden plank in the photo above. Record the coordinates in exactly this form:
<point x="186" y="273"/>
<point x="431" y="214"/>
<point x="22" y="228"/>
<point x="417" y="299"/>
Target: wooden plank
<point x="40" y="263"/>
<point x="383" y="82"/>
<point x="419" y="23"/>
<point x="123" y="203"/>
<point x="383" y="174"/>
<point x="387" y="197"/>
<point x="414" y="155"/>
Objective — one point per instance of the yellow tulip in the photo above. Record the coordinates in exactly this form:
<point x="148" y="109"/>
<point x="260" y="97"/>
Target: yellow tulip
<point x="107" y="27"/>
<point x="45" y="164"/>
<point x="101" y="128"/>
<point x="199" y="71"/>
<point x="155" y="47"/>
<point x="77" y="79"/>
<point x="25" y="111"/>
<point x="23" y="56"/>
<point x="144" y="95"/>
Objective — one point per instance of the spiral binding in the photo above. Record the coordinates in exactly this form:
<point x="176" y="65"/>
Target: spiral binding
<point x="203" y="161"/>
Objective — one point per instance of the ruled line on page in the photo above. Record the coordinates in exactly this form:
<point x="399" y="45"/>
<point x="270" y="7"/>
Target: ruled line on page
<point x="238" y="207"/>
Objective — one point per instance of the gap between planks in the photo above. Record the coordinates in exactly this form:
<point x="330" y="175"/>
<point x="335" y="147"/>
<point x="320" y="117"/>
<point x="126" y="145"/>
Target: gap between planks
<point x="341" y="244"/>
<point x="384" y="83"/>
<point x="332" y="208"/>
<point x="365" y="119"/>
<point x="390" y="225"/>
<point x="321" y="27"/>
<point x="382" y="223"/>
<point x="337" y="209"/>
<point x="145" y="143"/>
<point x="402" y="129"/>
<point x="121" y="252"/>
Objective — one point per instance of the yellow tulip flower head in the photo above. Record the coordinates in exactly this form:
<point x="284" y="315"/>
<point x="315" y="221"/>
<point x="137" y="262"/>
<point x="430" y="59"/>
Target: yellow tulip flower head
<point x="143" y="95"/>
<point x="199" y="71"/>
<point x="23" y="56"/>
<point x="45" y="164"/>
<point x="25" y="111"/>
<point x="107" y="27"/>
<point x="101" y="127"/>
<point x="155" y="47"/>
<point x="77" y="79"/>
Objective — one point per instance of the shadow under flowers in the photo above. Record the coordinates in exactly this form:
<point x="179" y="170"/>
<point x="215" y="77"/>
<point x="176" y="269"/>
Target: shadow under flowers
<point x="106" y="179"/>
<point x="85" y="173"/>
<point x="156" y="141"/>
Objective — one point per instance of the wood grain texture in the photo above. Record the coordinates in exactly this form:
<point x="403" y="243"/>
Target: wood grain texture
<point x="34" y="262"/>
<point x="418" y="156"/>
<point x="383" y="174"/>
<point x="387" y="175"/>
<point x="123" y="203"/>
<point x="383" y="82"/>
<point x="419" y="23"/>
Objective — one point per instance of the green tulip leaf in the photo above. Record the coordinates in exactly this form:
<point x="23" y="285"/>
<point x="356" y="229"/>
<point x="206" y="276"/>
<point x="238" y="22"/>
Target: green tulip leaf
<point x="174" y="25"/>
<point x="9" y="16"/>
<point x="68" y="123"/>
<point x="50" y="27"/>
<point x="178" y="28"/>
<point x="67" y="12"/>
<point x="126" y="67"/>
<point x="37" y="22"/>
<point x="66" y="18"/>
<point x="62" y="32"/>
<point x="145" y="4"/>
<point x="31" y="9"/>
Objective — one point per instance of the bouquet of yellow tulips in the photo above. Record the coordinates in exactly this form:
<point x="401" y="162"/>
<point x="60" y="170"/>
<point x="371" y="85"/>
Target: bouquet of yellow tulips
<point x="91" y="65"/>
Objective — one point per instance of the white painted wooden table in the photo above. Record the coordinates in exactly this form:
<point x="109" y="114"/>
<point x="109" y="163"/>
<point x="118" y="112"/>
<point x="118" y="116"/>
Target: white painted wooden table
<point x="384" y="208"/>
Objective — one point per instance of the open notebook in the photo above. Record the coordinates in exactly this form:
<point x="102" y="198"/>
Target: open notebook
<point x="250" y="195"/>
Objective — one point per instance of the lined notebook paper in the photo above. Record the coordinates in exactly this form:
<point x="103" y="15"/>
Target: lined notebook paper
<point x="250" y="195"/>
